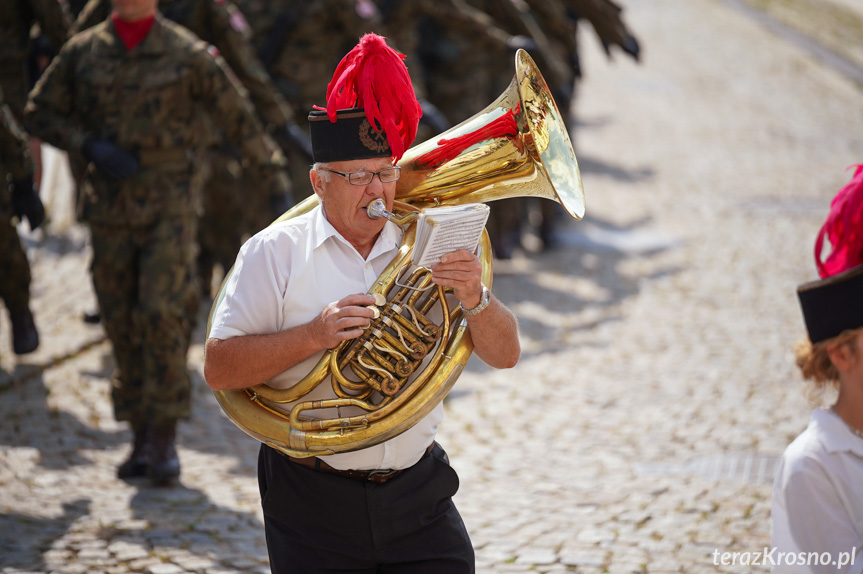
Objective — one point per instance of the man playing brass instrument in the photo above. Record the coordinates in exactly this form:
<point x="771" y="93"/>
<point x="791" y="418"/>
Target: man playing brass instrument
<point x="297" y="289"/>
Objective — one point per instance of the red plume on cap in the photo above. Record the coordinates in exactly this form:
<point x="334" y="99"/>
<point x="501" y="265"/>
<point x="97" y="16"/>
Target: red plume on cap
<point x="843" y="228"/>
<point x="373" y="76"/>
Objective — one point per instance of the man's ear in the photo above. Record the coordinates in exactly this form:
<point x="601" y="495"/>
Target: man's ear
<point x="316" y="180"/>
<point x="841" y="356"/>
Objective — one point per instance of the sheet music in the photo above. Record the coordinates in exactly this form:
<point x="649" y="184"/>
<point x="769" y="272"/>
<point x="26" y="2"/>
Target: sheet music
<point x="442" y="230"/>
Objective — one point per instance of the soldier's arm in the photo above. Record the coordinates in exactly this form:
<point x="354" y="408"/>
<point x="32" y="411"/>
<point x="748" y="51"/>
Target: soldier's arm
<point x="557" y="25"/>
<point x="55" y="19"/>
<point x="94" y="12"/>
<point x="49" y="113"/>
<point x="231" y="37"/>
<point x="607" y="21"/>
<point x="225" y="101"/>
<point x="463" y="17"/>
<point x="13" y="148"/>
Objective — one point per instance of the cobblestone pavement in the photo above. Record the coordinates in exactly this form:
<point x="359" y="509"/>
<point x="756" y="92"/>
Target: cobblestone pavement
<point x="640" y="430"/>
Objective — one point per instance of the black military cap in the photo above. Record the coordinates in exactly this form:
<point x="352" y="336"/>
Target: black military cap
<point x="371" y="111"/>
<point x="351" y="136"/>
<point x="832" y="305"/>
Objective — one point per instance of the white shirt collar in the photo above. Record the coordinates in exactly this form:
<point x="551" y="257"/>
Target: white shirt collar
<point x="322" y="229"/>
<point x="834" y="434"/>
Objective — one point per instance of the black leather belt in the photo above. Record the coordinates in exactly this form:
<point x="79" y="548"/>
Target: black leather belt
<point x="378" y="476"/>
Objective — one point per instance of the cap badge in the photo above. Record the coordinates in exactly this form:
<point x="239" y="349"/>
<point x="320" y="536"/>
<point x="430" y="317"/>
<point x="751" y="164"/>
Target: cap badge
<point x="372" y="139"/>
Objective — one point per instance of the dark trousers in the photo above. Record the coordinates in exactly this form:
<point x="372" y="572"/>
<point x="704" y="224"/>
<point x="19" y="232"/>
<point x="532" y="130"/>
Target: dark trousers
<point x="319" y="523"/>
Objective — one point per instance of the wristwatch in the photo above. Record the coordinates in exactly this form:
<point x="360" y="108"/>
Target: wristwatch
<point x="484" y="300"/>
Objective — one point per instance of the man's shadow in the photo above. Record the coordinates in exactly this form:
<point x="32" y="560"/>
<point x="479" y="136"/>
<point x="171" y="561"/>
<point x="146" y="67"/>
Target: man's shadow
<point x="585" y="271"/>
<point x="24" y="539"/>
<point x="56" y="434"/>
<point x="185" y="518"/>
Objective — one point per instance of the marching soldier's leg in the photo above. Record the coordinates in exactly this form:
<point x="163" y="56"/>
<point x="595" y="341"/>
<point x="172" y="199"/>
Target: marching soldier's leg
<point x="14" y="266"/>
<point x="114" y="269"/>
<point x="15" y="285"/>
<point x="166" y="270"/>
<point x="504" y="226"/>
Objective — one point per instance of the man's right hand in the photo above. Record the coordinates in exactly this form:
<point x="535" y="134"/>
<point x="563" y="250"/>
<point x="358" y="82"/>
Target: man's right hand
<point x="343" y="319"/>
<point x="110" y="158"/>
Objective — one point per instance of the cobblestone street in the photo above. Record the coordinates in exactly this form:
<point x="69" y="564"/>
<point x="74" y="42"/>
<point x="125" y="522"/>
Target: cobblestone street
<point x="657" y="386"/>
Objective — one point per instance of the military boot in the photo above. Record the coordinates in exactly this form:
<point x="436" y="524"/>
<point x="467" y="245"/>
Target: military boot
<point x="138" y="463"/>
<point x="25" y="337"/>
<point x="164" y="464"/>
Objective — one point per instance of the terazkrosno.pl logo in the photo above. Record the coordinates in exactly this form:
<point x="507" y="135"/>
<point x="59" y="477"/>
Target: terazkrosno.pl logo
<point x="775" y="557"/>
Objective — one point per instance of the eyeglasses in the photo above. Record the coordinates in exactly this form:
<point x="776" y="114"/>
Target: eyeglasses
<point x="386" y="175"/>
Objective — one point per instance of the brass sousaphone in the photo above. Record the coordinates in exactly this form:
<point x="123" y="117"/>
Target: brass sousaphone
<point x="404" y="364"/>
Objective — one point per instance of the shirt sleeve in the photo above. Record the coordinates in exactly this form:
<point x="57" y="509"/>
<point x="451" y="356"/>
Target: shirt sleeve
<point x="817" y="519"/>
<point x="254" y="292"/>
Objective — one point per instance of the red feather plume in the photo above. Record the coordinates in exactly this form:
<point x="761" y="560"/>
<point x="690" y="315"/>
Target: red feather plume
<point x="373" y="76"/>
<point x="843" y="228"/>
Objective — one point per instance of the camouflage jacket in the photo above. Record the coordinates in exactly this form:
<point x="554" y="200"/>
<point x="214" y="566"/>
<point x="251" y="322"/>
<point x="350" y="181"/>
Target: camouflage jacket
<point x="220" y="23"/>
<point x="147" y="101"/>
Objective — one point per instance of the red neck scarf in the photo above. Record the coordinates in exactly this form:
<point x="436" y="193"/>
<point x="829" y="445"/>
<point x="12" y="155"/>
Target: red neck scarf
<point x="132" y="32"/>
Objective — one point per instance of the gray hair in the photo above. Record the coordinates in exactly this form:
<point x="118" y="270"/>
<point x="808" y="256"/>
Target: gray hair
<point x="321" y="167"/>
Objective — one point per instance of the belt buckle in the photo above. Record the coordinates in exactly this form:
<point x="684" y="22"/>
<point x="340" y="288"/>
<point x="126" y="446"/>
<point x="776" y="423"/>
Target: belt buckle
<point x="381" y="476"/>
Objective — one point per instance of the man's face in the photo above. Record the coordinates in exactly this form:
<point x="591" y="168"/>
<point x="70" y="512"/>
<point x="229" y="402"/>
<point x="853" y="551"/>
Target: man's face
<point x="345" y="204"/>
<point x="132" y="10"/>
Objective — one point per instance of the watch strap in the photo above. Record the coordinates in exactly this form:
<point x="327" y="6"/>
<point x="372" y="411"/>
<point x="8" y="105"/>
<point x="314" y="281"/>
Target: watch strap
<point x="484" y="300"/>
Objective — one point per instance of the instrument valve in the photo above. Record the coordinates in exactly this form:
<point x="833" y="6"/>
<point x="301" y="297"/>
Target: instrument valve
<point x="390" y="386"/>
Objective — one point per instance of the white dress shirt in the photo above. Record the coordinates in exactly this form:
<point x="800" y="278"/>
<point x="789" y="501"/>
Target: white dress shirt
<point x="818" y="495"/>
<point x="284" y="276"/>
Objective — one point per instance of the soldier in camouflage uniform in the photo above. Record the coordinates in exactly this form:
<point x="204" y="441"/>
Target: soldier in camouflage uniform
<point x="459" y="48"/>
<point x="17" y="17"/>
<point x="559" y="19"/>
<point x="131" y="109"/>
<point x="451" y="43"/>
<point x="300" y="43"/>
<point x="465" y="72"/>
<point x="227" y="191"/>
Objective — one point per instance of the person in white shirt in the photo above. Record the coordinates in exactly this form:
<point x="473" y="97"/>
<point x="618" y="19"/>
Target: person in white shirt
<point x="817" y="507"/>
<point x="299" y="288"/>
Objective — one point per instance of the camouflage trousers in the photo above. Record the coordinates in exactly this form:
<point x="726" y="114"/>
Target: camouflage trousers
<point x="144" y="282"/>
<point x="14" y="266"/>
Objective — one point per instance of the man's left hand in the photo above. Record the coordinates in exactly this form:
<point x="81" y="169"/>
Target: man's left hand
<point x="462" y="271"/>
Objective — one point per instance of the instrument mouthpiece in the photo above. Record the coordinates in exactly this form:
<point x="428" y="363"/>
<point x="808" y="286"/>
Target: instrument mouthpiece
<point x="378" y="209"/>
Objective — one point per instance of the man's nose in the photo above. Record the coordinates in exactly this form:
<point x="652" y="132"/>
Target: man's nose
<point x="376" y="182"/>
